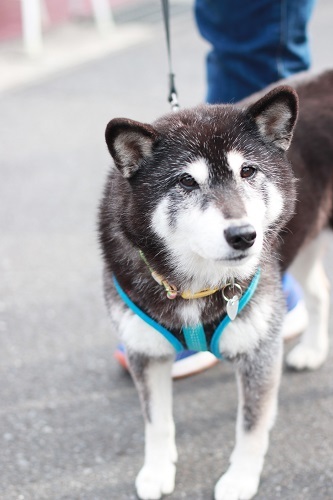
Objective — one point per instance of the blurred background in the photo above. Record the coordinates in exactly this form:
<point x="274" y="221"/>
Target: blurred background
<point x="70" y="423"/>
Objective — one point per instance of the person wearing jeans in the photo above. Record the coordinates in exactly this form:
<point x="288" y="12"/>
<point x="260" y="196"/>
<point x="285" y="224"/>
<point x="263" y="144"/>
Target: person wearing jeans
<point x="254" y="43"/>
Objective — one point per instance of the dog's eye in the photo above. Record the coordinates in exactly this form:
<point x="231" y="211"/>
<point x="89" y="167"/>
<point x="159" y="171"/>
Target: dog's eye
<point x="187" y="182"/>
<point x="248" y="171"/>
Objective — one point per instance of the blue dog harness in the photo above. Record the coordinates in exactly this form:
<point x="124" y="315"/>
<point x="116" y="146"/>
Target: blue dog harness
<point x="195" y="337"/>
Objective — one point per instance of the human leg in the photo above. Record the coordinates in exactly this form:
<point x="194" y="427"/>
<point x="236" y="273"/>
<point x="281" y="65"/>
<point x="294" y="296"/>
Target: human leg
<point x="253" y="44"/>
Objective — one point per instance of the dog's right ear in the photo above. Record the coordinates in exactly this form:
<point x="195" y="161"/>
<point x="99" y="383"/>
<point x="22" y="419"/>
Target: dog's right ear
<point x="275" y="116"/>
<point x="129" y="142"/>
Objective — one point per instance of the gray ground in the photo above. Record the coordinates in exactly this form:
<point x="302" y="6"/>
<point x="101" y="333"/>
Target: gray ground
<point x="70" y="423"/>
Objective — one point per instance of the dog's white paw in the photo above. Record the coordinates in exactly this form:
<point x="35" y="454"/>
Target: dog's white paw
<point x="236" y="485"/>
<point x="303" y="357"/>
<point x="153" y="481"/>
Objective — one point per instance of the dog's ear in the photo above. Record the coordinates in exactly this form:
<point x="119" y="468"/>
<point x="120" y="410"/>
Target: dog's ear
<point x="129" y="142"/>
<point x="275" y="116"/>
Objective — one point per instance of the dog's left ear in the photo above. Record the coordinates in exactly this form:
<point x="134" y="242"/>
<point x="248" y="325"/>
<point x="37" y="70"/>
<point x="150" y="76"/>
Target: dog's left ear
<point x="275" y="116"/>
<point x="129" y="142"/>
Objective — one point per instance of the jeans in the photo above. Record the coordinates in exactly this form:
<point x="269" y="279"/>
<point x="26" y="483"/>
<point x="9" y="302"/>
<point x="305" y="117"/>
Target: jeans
<point x="254" y="43"/>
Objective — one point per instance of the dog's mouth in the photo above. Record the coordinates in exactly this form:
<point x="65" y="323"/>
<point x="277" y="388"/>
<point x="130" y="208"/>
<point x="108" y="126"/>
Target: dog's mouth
<point x="222" y="255"/>
<point x="234" y="260"/>
<point x="229" y="258"/>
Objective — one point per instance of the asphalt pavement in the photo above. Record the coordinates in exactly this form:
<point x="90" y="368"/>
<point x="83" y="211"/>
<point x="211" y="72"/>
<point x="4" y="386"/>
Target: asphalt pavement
<point x="70" y="423"/>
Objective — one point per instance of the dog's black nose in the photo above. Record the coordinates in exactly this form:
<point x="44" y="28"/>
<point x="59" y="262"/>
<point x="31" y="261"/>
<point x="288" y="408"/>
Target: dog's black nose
<point x="240" y="237"/>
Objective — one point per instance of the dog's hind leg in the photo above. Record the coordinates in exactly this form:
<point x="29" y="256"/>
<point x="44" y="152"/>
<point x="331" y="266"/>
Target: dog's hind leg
<point x="152" y="377"/>
<point x="258" y="377"/>
<point x="308" y="269"/>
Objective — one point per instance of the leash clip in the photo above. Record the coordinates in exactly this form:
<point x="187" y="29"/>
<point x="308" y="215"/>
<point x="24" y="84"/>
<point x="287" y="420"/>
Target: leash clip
<point x="173" y="99"/>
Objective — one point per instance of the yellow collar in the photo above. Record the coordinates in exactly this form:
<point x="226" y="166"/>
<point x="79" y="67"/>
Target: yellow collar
<point x="171" y="290"/>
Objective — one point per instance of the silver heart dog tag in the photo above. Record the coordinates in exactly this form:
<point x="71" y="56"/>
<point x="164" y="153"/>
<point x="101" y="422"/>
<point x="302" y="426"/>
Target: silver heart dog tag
<point x="232" y="307"/>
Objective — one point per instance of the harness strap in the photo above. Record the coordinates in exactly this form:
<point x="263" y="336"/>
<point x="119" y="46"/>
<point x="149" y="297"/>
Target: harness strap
<point x="195" y="336"/>
<point x="150" y="321"/>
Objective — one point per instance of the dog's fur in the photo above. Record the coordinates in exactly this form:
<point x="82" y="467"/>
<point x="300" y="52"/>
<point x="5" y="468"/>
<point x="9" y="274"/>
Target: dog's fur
<point x="244" y="178"/>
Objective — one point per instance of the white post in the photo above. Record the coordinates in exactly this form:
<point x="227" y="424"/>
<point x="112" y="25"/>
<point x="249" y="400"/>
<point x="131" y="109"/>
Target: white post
<point x="103" y="16"/>
<point x="32" y="26"/>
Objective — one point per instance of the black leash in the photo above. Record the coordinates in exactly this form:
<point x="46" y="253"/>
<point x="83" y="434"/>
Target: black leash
<point x="173" y="96"/>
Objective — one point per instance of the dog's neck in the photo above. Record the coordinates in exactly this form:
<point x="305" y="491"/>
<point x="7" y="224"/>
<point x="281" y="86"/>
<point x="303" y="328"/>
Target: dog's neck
<point x="229" y="287"/>
<point x="193" y="273"/>
<point x="172" y="291"/>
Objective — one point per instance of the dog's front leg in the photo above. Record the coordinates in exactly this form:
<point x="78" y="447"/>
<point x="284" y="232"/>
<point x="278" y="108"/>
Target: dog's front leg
<point x="258" y="377"/>
<point x="152" y="377"/>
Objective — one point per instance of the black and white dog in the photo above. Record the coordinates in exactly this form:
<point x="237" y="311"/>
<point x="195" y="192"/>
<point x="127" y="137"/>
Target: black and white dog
<point x="209" y="203"/>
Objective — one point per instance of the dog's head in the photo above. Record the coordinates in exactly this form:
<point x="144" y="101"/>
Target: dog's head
<point x="210" y="187"/>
